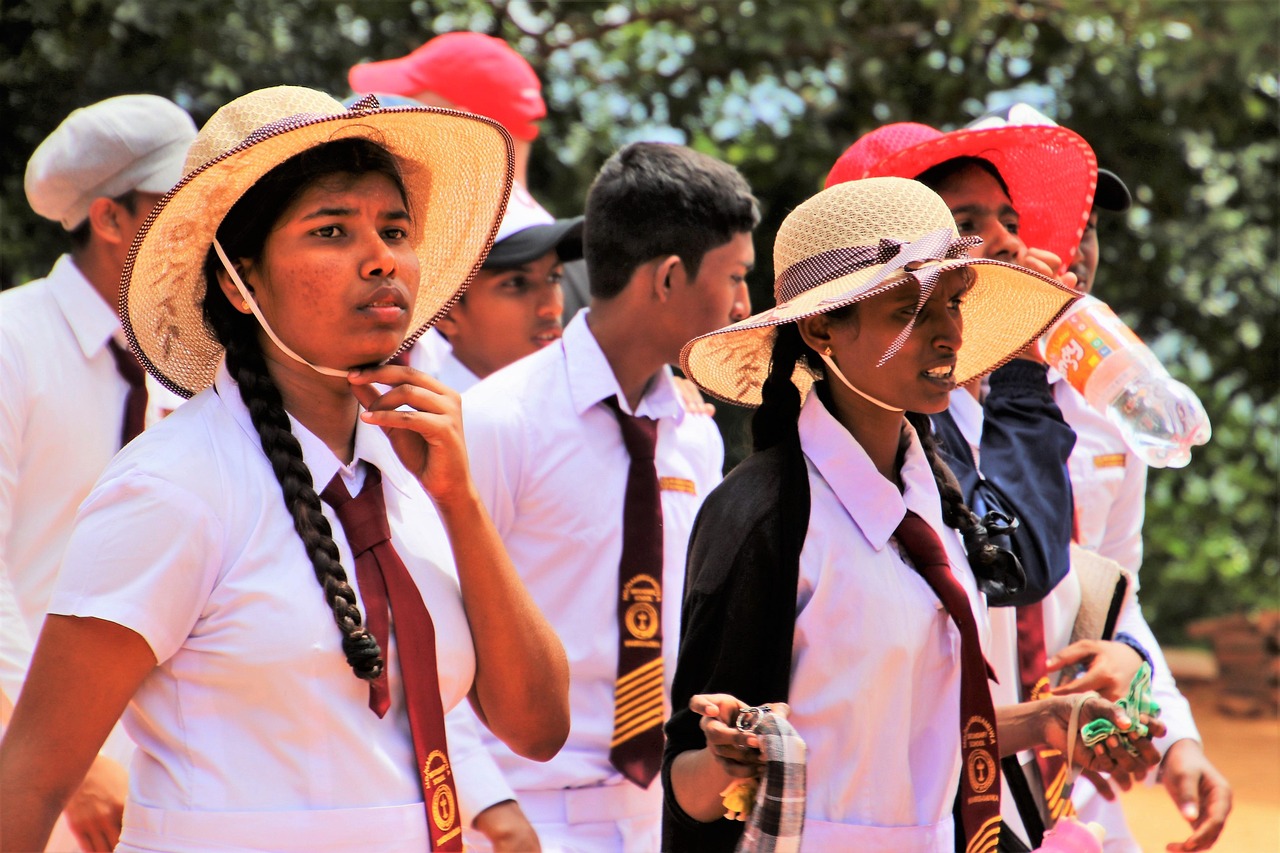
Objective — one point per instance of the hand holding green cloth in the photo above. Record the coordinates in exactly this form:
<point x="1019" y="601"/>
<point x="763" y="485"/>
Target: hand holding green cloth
<point x="1138" y="701"/>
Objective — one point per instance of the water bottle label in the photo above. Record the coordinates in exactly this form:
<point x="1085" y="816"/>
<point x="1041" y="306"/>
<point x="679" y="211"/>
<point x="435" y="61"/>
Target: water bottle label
<point x="1084" y="339"/>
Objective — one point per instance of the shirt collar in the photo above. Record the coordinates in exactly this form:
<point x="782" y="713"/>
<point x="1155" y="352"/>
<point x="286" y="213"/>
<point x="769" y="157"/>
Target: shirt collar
<point x="874" y="503"/>
<point x="591" y="378"/>
<point x="455" y="374"/>
<point x="371" y="444"/>
<point x="967" y="413"/>
<point x="91" y="319"/>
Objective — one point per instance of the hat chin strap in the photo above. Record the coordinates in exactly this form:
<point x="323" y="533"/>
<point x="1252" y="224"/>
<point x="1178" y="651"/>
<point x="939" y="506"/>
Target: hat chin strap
<point x="831" y="365"/>
<point x="262" y="321"/>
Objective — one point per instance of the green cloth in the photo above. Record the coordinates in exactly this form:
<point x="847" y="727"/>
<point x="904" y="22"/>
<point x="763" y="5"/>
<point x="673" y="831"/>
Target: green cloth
<point x="1136" y="702"/>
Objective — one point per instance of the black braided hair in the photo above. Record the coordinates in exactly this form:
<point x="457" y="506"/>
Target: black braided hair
<point x="777" y="419"/>
<point x="243" y="233"/>
<point x="997" y="569"/>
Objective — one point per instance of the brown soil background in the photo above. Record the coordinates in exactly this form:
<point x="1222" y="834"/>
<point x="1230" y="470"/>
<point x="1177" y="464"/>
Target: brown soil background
<point x="1247" y="751"/>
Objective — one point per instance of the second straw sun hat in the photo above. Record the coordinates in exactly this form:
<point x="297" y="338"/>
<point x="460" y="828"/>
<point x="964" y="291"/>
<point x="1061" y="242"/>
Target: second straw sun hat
<point x="457" y="170"/>
<point x="859" y="239"/>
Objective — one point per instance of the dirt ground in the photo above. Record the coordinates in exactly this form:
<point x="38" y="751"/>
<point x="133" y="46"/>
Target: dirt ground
<point x="1247" y="751"/>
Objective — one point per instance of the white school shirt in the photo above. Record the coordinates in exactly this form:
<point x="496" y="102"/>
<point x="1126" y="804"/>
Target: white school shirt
<point x="455" y="374"/>
<point x="1110" y="485"/>
<point x="61" y="411"/>
<point x="429" y="352"/>
<point x="548" y="459"/>
<point x="252" y="729"/>
<point x="875" y="678"/>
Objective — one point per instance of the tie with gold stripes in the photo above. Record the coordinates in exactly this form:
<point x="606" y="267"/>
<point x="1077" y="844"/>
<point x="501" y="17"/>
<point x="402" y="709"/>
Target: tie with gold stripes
<point x="636" y="747"/>
<point x="980" y="777"/>
<point x="1035" y="685"/>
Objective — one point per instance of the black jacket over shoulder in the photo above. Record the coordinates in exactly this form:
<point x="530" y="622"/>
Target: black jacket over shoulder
<point x="738" y="619"/>
<point x="1024" y="449"/>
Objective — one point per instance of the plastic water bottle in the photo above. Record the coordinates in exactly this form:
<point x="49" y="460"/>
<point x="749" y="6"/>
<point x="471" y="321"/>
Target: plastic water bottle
<point x="1118" y="375"/>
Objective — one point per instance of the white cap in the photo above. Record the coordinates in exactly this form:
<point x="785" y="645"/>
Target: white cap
<point x="522" y="212"/>
<point x="131" y="142"/>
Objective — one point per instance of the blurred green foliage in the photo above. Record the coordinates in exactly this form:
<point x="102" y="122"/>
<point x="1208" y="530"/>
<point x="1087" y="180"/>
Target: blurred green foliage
<point x="1180" y="98"/>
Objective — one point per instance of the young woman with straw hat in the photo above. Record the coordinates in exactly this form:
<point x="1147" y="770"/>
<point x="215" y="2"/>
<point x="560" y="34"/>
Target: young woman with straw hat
<point x="847" y="591"/>
<point x="305" y="246"/>
<point x="1028" y="190"/>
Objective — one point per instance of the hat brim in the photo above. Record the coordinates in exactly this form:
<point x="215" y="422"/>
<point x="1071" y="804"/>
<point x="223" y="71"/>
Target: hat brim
<point x="457" y="170"/>
<point x="1051" y="173"/>
<point x="1112" y="195"/>
<point x="564" y="237"/>
<point x="1007" y="308"/>
<point x="393" y="76"/>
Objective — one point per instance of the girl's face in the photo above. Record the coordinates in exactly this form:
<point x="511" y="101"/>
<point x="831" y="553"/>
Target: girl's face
<point x="982" y="208"/>
<point x="920" y="376"/>
<point x="337" y="277"/>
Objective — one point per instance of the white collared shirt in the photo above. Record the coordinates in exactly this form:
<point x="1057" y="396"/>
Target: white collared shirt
<point x="61" y="412"/>
<point x="429" y="352"/>
<point x="548" y="459"/>
<point x="875" y="682"/>
<point x="1108" y="485"/>
<point x="455" y="374"/>
<point x="186" y="540"/>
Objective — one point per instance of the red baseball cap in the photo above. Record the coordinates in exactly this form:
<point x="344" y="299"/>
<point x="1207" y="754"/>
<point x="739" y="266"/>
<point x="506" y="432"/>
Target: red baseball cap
<point x="1051" y="172"/>
<point x="474" y="72"/>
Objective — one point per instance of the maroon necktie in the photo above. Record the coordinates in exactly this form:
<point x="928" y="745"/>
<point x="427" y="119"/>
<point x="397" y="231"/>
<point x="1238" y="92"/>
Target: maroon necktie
<point x="636" y="747"/>
<point x="1035" y="685"/>
<point x="135" y="404"/>
<point x="384" y="581"/>
<point x="980" y="775"/>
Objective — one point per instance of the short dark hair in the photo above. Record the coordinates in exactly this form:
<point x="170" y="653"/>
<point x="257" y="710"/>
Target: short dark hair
<point x="80" y="234"/>
<point x="654" y="199"/>
<point x="935" y="177"/>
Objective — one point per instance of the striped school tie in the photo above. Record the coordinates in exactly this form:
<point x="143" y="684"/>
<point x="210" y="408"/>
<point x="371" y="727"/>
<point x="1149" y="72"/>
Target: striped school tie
<point x="636" y="747"/>
<point x="980" y="773"/>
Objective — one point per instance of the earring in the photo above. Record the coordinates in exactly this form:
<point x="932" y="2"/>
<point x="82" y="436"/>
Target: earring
<point x="244" y="305"/>
<point x="827" y="352"/>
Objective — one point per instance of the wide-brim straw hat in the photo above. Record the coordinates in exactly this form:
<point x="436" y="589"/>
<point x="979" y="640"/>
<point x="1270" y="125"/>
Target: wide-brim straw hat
<point x="457" y="170"/>
<point x="1051" y="172"/>
<point x="857" y="240"/>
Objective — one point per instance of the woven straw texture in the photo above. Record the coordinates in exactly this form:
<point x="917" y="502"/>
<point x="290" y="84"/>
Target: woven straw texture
<point x="457" y="170"/>
<point x="1051" y="172"/>
<point x="1006" y="308"/>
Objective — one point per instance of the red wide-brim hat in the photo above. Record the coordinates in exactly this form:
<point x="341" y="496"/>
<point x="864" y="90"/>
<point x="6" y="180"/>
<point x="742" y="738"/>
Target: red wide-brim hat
<point x="1051" y="172"/>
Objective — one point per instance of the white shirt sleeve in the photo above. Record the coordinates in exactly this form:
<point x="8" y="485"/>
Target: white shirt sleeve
<point x="16" y="644"/>
<point x="12" y="418"/>
<point x="480" y="782"/>
<point x="1175" y="710"/>
<point x="145" y="554"/>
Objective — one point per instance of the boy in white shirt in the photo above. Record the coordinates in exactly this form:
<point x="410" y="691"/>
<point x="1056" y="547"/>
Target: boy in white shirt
<point x="668" y="246"/>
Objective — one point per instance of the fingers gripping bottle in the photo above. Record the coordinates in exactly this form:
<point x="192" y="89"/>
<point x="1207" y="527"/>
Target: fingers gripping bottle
<point x="1118" y="375"/>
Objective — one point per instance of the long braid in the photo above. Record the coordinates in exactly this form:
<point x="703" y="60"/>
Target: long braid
<point x="243" y="233"/>
<point x="778" y="417"/>
<point x="266" y="409"/>
<point x="997" y="569"/>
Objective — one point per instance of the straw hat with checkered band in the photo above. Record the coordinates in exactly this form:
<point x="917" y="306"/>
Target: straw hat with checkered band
<point x="457" y="170"/>
<point x="859" y="239"/>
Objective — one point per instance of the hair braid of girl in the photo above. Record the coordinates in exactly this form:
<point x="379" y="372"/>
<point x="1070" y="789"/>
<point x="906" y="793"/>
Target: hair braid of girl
<point x="956" y="514"/>
<point x="778" y="417"/>
<point x="266" y="409"/>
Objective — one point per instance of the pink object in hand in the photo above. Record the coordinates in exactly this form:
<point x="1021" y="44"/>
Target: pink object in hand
<point x="1071" y="836"/>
